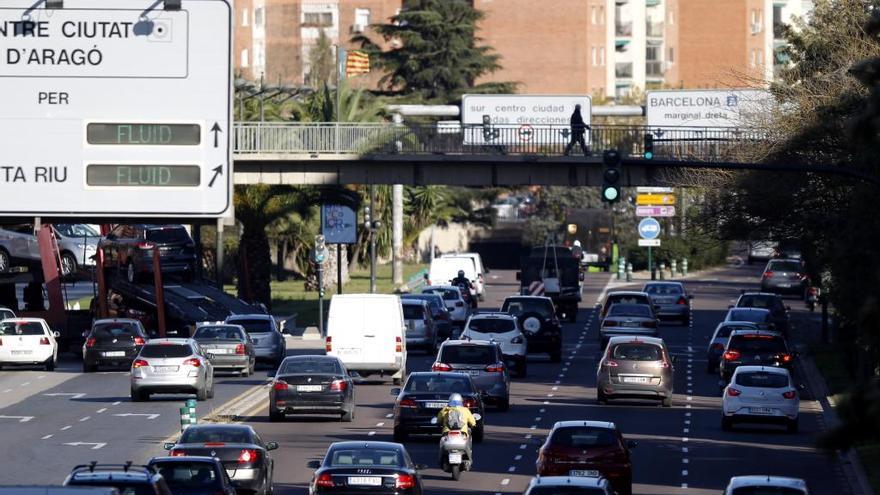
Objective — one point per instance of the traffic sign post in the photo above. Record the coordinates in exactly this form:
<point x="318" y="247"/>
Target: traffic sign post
<point x="649" y="230"/>
<point x="116" y="108"/>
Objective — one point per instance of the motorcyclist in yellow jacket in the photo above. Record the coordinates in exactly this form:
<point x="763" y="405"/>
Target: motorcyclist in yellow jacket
<point x="455" y="405"/>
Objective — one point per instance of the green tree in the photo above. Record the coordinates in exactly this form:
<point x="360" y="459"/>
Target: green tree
<point x="322" y="63"/>
<point x="438" y="56"/>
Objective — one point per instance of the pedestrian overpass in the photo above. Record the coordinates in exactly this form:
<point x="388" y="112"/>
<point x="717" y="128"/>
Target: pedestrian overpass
<point x="465" y="155"/>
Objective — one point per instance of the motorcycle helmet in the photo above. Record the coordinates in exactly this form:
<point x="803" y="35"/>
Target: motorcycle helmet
<point x="455" y="400"/>
<point x="461" y="273"/>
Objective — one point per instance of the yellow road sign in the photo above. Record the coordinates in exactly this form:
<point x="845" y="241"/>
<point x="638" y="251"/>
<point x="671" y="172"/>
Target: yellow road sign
<point x="655" y="199"/>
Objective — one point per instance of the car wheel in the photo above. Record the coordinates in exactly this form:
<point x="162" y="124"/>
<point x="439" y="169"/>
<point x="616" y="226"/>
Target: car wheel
<point x="246" y="371"/>
<point x="348" y="416"/>
<point x="202" y="394"/>
<point x="4" y="261"/>
<point x="68" y="264"/>
<point x="504" y="404"/>
<point x="137" y="396"/>
<point x="400" y="435"/>
<point x="50" y="364"/>
<point x="726" y="423"/>
<point x="479" y="432"/>
<point x="710" y="368"/>
<point x="792" y="426"/>
<point x="601" y="398"/>
<point x="130" y="273"/>
<point x="211" y="390"/>
<point x="275" y="416"/>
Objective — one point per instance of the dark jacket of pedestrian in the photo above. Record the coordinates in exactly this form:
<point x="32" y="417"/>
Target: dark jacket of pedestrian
<point x="578" y="126"/>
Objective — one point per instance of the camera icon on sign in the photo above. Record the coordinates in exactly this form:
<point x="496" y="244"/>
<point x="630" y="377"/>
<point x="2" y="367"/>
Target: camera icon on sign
<point x="161" y="32"/>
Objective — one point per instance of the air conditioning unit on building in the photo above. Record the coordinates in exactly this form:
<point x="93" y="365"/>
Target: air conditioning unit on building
<point x="756" y="27"/>
<point x="357" y="28"/>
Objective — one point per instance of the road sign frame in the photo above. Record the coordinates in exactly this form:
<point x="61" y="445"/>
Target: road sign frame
<point x="45" y="171"/>
<point x="649" y="242"/>
<point x="655" y="199"/>
<point x="652" y="234"/>
<point x="655" y="211"/>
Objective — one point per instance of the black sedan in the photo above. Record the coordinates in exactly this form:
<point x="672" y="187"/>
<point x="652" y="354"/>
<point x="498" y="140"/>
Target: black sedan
<point x="113" y="342"/>
<point x="366" y="467"/>
<point x="312" y="385"/>
<point x="425" y="394"/>
<point x="241" y="451"/>
<point x="193" y="475"/>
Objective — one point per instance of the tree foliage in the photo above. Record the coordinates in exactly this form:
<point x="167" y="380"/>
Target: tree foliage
<point x="322" y="63"/>
<point x="436" y="54"/>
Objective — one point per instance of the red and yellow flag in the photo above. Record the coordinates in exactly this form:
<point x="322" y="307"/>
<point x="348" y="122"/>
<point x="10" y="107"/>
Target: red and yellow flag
<point x="357" y="62"/>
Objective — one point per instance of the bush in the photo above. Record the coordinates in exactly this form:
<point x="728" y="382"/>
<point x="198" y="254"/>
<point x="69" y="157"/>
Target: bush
<point x="700" y="252"/>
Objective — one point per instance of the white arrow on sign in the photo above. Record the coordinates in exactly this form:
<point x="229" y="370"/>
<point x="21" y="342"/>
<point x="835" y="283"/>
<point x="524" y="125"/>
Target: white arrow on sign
<point x="21" y="419"/>
<point x="149" y="416"/>
<point x="64" y="394"/>
<point x="95" y="446"/>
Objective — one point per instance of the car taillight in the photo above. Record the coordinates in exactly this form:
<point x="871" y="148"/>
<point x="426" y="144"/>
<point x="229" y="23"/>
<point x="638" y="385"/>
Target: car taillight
<point x="338" y="385"/>
<point x="178" y="453"/>
<point x="791" y="394"/>
<point x="408" y="403"/>
<point x="139" y="341"/>
<point x="609" y="323"/>
<point x="248" y="455"/>
<point x="44" y="341"/>
<point x="469" y="402"/>
<point x="768" y="274"/>
<point x="398" y="344"/>
<point x="325" y="481"/>
<point x="404" y="481"/>
<point x="194" y="362"/>
<point x="239" y="349"/>
<point x="90" y="342"/>
<point x="441" y="367"/>
<point x="717" y="346"/>
<point x="649" y="324"/>
<point x="786" y="358"/>
<point x="731" y="355"/>
<point x="610" y="364"/>
<point x="139" y="363"/>
<point x="682" y="300"/>
<point x="517" y="340"/>
<point x="328" y="344"/>
<point x="495" y="368"/>
<point x="280" y="385"/>
<point x="732" y="392"/>
<point x="665" y="364"/>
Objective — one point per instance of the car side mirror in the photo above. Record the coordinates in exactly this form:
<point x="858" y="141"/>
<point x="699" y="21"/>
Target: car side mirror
<point x="313" y="464"/>
<point x="56" y="334"/>
<point x="395" y="392"/>
<point x="421" y="467"/>
<point x="478" y="417"/>
<point x="631" y="444"/>
<point x="271" y="445"/>
<point x="168" y="445"/>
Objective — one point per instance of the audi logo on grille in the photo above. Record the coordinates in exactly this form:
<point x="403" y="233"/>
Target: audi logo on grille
<point x="364" y="471"/>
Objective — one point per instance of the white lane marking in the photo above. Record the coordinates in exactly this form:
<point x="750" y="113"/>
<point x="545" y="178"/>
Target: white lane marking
<point x="21" y="419"/>
<point x="47" y="437"/>
<point x="66" y="428"/>
<point x="99" y="411"/>
<point x="518" y="457"/>
<point x="546" y="402"/>
<point x="511" y="469"/>
<point x="95" y="446"/>
<point x="565" y="368"/>
<point x="542" y="411"/>
<point x="25" y="384"/>
<point x="389" y="415"/>
<point x="522" y="446"/>
<point x="557" y="383"/>
<point x="685" y="461"/>
<point x="686" y="430"/>
<point x="554" y="388"/>
<point x="85" y="419"/>
<point x="117" y="403"/>
<point x="684" y="485"/>
<point x="687" y="421"/>
<point x="690" y="398"/>
<point x="538" y="419"/>
<point x="687" y="414"/>
<point x="64" y="394"/>
<point x="684" y="472"/>
<point x="533" y="427"/>
<point x="685" y="439"/>
<point x="379" y="425"/>
<point x="690" y="349"/>
<point x="505" y="481"/>
<point x="149" y="416"/>
<point x="528" y="436"/>
<point x="549" y="395"/>
<point x="371" y="433"/>
<point x="7" y="391"/>
<point x="568" y="363"/>
<point x="684" y="450"/>
<point x="41" y="377"/>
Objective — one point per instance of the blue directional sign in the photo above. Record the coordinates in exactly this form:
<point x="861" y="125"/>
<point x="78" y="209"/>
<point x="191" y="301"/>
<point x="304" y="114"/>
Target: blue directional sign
<point x="649" y="228"/>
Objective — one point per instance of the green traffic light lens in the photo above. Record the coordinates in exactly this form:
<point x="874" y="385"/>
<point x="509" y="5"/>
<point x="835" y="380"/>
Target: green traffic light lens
<point x="610" y="193"/>
<point x="648" y="155"/>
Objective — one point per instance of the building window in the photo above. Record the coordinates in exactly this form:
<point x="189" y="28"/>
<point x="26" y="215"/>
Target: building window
<point x="594" y="15"/>
<point x="602" y="14"/>
<point x="362" y="17"/>
<point x="244" y="57"/>
<point x="594" y="52"/>
<point x="244" y="17"/>
<point x="259" y="18"/>
<point x="601" y="55"/>
<point x="671" y="57"/>
<point x="652" y="53"/>
<point x="318" y="19"/>
<point x="671" y="17"/>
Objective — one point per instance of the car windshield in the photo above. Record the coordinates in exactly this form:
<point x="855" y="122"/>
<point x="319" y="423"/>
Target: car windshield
<point x="311" y="367"/>
<point x="168" y="234"/>
<point x="124" y="488"/>
<point x="763" y="302"/>
<point x="257" y="325"/>
<point x="566" y="490"/>
<point x="784" y="266"/>
<point x="75" y="230"/>
<point x="467" y="354"/>
<point x="215" y="434"/>
<point x="747" y="315"/>
<point x="639" y="310"/>
<point x="166" y="351"/>
<point x="21" y="328"/>
<point x="432" y="301"/>
<point x="220" y="332"/>
<point x="114" y="331"/>
<point x="187" y="474"/>
<point x="663" y="289"/>
<point x="518" y="307"/>
<point x="767" y="490"/>
<point x="724" y="330"/>
<point x="365" y="457"/>
<point x="439" y="384"/>
<point x="582" y="437"/>
<point x="627" y="299"/>
<point x="491" y="325"/>
<point x="757" y="343"/>
<point x="413" y="312"/>
<point x="761" y="379"/>
<point x="446" y="294"/>
<point x="637" y="352"/>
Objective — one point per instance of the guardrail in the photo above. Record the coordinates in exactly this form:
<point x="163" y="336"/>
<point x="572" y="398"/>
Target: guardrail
<point x="698" y="143"/>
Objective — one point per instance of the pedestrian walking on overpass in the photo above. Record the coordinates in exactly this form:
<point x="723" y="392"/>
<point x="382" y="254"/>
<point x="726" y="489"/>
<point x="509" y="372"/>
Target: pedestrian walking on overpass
<point x="578" y="129"/>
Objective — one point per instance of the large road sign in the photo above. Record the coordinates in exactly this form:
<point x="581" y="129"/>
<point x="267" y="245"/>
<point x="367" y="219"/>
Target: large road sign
<point x="655" y="211"/>
<point x="655" y="199"/>
<point x="649" y="228"/>
<point x="707" y="108"/>
<point x="115" y="108"/>
<point x="519" y="119"/>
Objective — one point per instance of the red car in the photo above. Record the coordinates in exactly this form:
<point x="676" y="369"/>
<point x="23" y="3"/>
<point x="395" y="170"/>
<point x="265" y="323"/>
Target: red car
<point x="587" y="448"/>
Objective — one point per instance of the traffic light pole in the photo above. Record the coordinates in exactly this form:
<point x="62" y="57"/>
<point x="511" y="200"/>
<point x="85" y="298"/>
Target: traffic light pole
<point x="320" y="275"/>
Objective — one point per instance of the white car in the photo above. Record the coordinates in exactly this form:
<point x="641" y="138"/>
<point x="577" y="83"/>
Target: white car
<point x="28" y="341"/>
<point x="766" y="484"/>
<point x="760" y="394"/>
<point x="503" y="329"/>
<point x="458" y="309"/>
<point x="477" y="260"/>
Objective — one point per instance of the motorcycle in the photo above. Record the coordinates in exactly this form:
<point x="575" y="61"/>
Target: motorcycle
<point x="469" y="298"/>
<point x="453" y="451"/>
<point x="812" y="298"/>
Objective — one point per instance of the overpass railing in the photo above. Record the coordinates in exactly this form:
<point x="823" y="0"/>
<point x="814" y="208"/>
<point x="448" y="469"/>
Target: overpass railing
<point x="285" y="138"/>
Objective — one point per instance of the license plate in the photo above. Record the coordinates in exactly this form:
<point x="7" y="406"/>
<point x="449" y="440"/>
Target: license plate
<point x="165" y="369"/>
<point x="365" y="480"/>
<point x="455" y="458"/>
<point x="349" y="352"/>
<point x="220" y="351"/>
<point x="591" y="473"/>
<point x="309" y="388"/>
<point x="635" y="379"/>
<point x="785" y="286"/>
<point x="114" y="354"/>
<point x="469" y="372"/>
<point x="19" y="353"/>
<point x="435" y="405"/>
<point x="761" y="410"/>
<point x="629" y="324"/>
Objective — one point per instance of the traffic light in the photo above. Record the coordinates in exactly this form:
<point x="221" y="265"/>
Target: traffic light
<point x="649" y="146"/>
<point x="611" y="176"/>
<point x="320" y="249"/>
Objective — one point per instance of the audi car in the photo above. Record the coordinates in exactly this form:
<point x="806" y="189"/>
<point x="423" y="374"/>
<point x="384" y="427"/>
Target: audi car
<point x="366" y="467"/>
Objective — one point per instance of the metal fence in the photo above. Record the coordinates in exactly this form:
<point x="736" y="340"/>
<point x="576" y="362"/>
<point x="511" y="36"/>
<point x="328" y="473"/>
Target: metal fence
<point x="695" y="143"/>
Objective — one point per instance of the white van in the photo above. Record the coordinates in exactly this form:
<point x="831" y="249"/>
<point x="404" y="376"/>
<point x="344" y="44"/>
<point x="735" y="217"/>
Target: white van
<point x="367" y="332"/>
<point x="477" y="261"/>
<point x="444" y="269"/>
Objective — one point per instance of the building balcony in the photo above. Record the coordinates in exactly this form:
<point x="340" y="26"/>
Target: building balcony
<point x="654" y="69"/>
<point x="623" y="29"/>
<point x="654" y="29"/>
<point x="623" y="70"/>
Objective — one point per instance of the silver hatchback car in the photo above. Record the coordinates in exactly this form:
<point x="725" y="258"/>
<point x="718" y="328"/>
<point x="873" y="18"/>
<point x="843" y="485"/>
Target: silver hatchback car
<point x="269" y="343"/>
<point x="635" y="367"/>
<point x="172" y="366"/>
<point x="483" y="361"/>
<point x="420" y="329"/>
